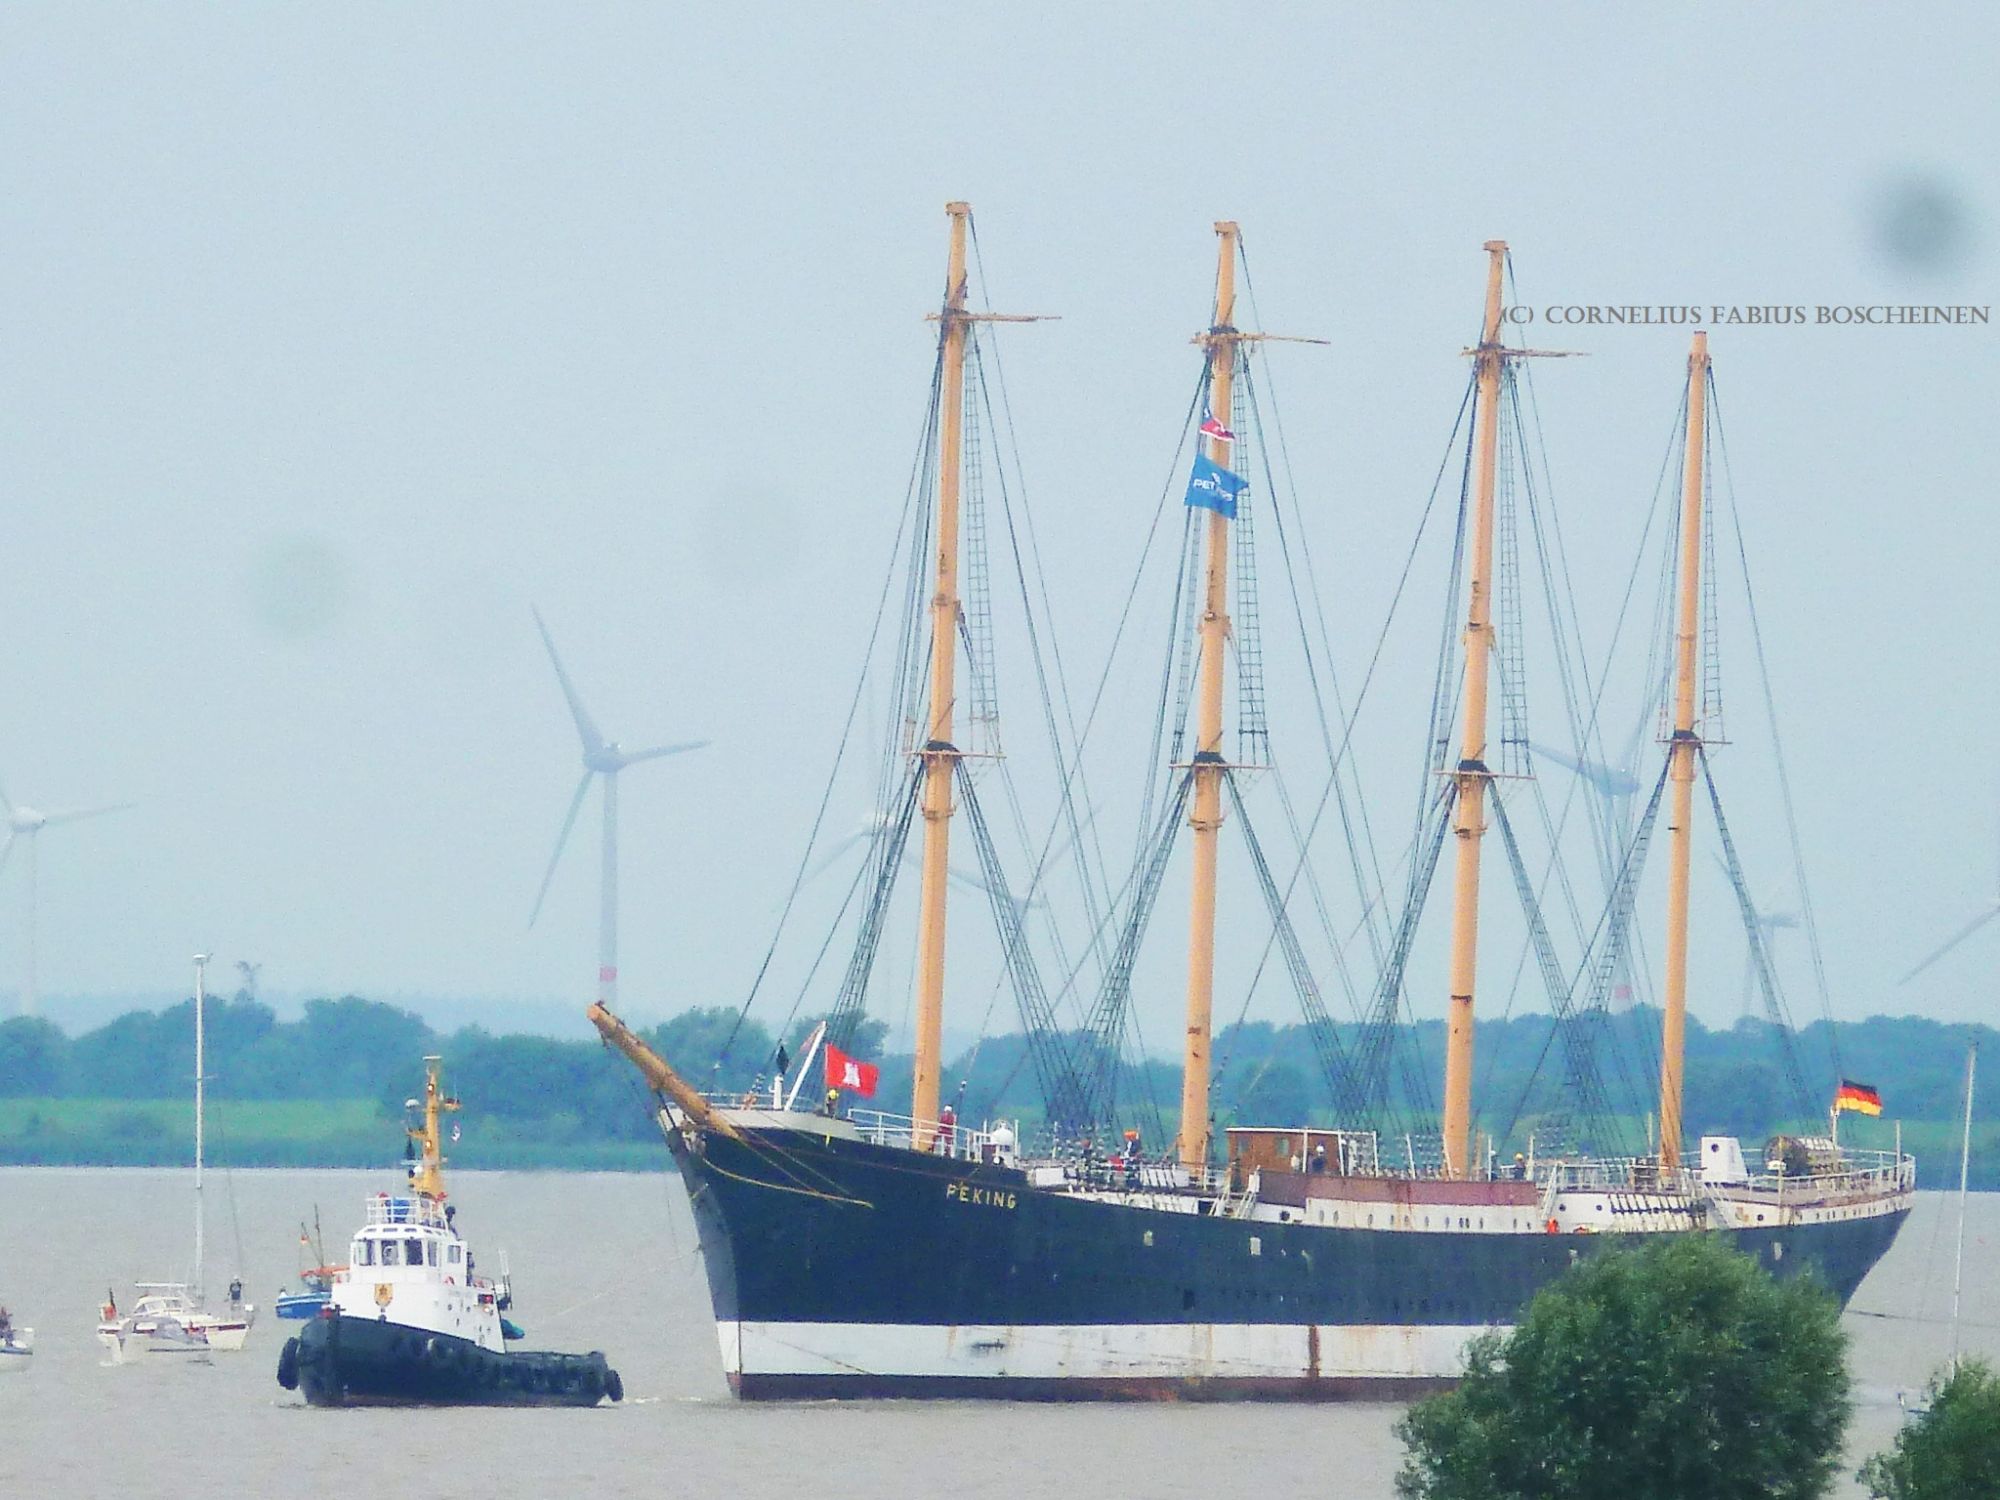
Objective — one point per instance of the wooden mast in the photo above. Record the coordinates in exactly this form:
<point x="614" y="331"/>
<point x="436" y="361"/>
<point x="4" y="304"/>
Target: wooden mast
<point x="1205" y="817"/>
<point x="940" y="756"/>
<point x="1683" y="745"/>
<point x="1472" y="773"/>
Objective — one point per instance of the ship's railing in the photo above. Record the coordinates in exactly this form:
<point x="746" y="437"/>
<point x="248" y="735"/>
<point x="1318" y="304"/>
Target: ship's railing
<point x="409" y="1208"/>
<point x="962" y="1141"/>
<point x="1607" y="1172"/>
<point x="1862" y="1173"/>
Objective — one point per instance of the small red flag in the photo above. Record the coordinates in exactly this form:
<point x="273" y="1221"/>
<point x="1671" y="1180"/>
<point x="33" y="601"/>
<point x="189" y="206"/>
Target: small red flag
<point x="850" y="1073"/>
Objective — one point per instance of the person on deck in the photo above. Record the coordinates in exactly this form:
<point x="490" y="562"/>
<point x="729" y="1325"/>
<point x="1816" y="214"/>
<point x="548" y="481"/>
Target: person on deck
<point x="947" y="1129"/>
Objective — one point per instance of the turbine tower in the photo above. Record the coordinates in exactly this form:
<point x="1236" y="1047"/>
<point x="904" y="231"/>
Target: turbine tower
<point x="25" y="825"/>
<point x="605" y="758"/>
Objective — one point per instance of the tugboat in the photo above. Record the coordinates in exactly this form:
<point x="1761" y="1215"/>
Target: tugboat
<point x="410" y="1322"/>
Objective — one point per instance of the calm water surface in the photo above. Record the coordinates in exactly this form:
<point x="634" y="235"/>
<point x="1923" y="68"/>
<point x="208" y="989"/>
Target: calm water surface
<point x="607" y="1262"/>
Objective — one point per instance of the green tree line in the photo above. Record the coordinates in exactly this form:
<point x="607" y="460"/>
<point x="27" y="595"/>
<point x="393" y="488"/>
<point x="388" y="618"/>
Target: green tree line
<point x="554" y="1101"/>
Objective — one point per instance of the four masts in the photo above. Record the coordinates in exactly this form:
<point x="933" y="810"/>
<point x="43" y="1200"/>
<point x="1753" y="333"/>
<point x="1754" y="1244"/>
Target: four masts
<point x="941" y="757"/>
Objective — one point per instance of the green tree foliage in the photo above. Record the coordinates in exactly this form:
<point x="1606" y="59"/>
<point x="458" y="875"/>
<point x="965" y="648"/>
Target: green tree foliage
<point x="34" y="1058"/>
<point x="1673" y="1370"/>
<point x="1952" y="1451"/>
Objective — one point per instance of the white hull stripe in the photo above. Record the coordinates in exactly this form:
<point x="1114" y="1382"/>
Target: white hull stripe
<point x="1191" y="1352"/>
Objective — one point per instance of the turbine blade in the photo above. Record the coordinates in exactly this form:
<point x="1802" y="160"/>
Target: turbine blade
<point x="586" y="727"/>
<point x="569" y="822"/>
<point x="970" y="881"/>
<point x="1589" y="770"/>
<point x="837" y="850"/>
<point x="1953" y="941"/>
<point x="1638" y="733"/>
<point x="659" y="750"/>
<point x="77" y="815"/>
<point x="3" y="800"/>
<point x="6" y="849"/>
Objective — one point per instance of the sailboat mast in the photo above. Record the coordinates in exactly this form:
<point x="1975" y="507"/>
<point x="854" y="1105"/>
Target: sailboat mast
<point x="1472" y="774"/>
<point x="1964" y="1174"/>
<point x="1205" y="816"/>
<point x="200" y="1101"/>
<point x="940" y="756"/>
<point x="1680" y="832"/>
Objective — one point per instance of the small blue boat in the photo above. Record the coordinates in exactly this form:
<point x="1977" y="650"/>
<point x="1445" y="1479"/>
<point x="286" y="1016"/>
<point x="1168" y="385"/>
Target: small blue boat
<point x="315" y="1281"/>
<point x="304" y="1304"/>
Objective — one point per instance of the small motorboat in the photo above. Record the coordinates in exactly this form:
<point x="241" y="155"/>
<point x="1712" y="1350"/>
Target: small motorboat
<point x="17" y="1345"/>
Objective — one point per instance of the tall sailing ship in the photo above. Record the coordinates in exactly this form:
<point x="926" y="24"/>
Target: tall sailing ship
<point x="858" y="1253"/>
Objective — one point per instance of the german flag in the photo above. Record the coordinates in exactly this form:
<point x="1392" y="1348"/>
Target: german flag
<point x="1859" y="1097"/>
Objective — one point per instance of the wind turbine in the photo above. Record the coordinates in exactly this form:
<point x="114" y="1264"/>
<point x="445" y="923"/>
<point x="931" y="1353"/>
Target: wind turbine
<point x="1612" y="789"/>
<point x="873" y="827"/>
<point x="605" y="758"/>
<point x="1992" y="910"/>
<point x="1769" y="924"/>
<point x="877" y="825"/>
<point x="25" y="825"/>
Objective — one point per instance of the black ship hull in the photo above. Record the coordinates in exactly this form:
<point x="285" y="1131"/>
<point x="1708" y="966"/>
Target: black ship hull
<point x="839" y="1268"/>
<point x="347" y="1361"/>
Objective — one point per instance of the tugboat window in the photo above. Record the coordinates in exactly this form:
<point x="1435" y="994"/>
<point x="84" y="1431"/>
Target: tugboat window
<point x="430" y="1252"/>
<point x="451" y="1254"/>
<point x="390" y="1257"/>
<point x="364" y="1252"/>
<point x="414" y="1253"/>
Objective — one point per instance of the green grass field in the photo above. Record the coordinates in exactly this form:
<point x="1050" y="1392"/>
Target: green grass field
<point x="261" y="1119"/>
<point x="285" y="1133"/>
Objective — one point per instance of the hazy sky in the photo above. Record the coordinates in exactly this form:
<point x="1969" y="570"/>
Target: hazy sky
<point x="334" y="337"/>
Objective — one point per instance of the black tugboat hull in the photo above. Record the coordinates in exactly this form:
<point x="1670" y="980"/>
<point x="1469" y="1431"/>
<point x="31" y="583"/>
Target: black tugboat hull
<point x="347" y="1361"/>
<point x="841" y="1269"/>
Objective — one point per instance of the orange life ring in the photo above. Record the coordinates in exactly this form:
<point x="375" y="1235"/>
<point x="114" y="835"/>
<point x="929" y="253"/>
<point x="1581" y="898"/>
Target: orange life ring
<point x="1554" y="1228"/>
<point x="449" y="1282"/>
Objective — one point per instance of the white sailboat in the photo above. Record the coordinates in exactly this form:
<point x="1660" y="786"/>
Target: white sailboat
<point x="172" y="1316"/>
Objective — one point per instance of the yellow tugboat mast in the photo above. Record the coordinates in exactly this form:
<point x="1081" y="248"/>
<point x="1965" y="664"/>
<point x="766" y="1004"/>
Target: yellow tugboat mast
<point x="427" y="1178"/>
<point x="1205" y="815"/>
<point x="1682" y="749"/>
<point x="1472" y="774"/>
